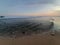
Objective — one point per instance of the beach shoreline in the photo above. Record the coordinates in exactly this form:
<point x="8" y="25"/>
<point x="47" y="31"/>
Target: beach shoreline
<point x="37" y="39"/>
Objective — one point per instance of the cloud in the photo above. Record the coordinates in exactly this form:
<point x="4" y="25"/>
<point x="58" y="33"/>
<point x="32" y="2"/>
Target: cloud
<point x="57" y="2"/>
<point x="38" y="2"/>
<point x="29" y="2"/>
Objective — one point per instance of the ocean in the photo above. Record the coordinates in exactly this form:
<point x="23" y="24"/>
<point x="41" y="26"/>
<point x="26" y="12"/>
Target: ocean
<point x="38" y="19"/>
<point x="57" y="23"/>
<point x="47" y="19"/>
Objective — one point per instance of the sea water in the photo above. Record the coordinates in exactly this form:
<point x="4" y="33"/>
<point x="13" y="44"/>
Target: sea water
<point x="40" y="19"/>
<point x="57" y="23"/>
<point x="47" y="19"/>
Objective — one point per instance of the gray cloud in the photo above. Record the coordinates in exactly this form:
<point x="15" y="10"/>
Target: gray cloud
<point x="30" y="2"/>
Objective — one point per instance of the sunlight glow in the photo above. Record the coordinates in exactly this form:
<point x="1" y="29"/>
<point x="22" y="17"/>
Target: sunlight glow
<point x="57" y="8"/>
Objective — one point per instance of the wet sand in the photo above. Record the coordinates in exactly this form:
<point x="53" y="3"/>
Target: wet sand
<point x="36" y="39"/>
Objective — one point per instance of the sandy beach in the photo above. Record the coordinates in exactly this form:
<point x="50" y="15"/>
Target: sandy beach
<point x="36" y="39"/>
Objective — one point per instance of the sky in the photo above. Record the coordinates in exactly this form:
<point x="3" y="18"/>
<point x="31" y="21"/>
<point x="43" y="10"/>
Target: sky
<point x="30" y="7"/>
